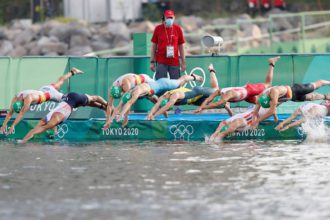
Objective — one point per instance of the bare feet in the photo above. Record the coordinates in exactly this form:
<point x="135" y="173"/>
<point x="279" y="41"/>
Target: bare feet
<point x="273" y="60"/>
<point x="75" y="71"/>
<point x="197" y="77"/>
<point x="327" y="96"/>
<point x="211" y="68"/>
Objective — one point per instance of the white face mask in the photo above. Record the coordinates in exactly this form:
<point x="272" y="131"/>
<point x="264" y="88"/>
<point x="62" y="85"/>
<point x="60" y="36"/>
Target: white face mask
<point x="169" y="22"/>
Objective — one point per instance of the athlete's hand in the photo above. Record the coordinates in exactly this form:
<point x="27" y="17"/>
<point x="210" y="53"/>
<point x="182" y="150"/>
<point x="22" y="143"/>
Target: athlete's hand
<point x="11" y="130"/>
<point x="183" y="66"/>
<point x="119" y="118"/>
<point x="3" y="129"/>
<point x="198" y="111"/>
<point x="55" y="130"/>
<point x="152" y="67"/>
<point x="125" y="122"/>
<point x="148" y="117"/>
<point x="106" y="125"/>
<point x="254" y="125"/>
<point x="284" y="128"/>
<point x="279" y="126"/>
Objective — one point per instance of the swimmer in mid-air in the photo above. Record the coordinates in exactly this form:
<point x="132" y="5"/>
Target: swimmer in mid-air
<point x="24" y="99"/>
<point x="307" y="110"/>
<point x="150" y="90"/>
<point x="63" y="111"/>
<point x="122" y="85"/>
<point x="184" y="96"/>
<point x="247" y="93"/>
<point x="238" y="122"/>
<point x="272" y="96"/>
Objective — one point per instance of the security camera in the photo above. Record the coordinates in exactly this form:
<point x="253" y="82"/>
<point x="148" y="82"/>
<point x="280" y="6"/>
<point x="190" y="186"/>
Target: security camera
<point x="213" y="43"/>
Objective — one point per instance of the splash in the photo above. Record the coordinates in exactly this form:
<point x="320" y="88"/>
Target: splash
<point x="209" y="141"/>
<point x="316" y="129"/>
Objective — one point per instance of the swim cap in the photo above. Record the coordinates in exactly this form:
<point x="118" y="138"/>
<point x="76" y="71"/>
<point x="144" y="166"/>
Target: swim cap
<point x="264" y="101"/>
<point x="17" y="106"/>
<point x="224" y="128"/>
<point x="115" y="92"/>
<point x="217" y="99"/>
<point x="126" y="97"/>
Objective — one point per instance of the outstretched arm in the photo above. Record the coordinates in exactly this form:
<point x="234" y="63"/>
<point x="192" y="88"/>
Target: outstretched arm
<point x="174" y="98"/>
<point x="155" y="108"/>
<point x="27" y="103"/>
<point x="8" y="116"/>
<point x="217" y="131"/>
<point x="207" y="101"/>
<point x="288" y="120"/>
<point x="128" y="105"/>
<point x="114" y="114"/>
<point x="228" y="109"/>
<point x="298" y="122"/>
<point x="224" y="99"/>
<point x="110" y="107"/>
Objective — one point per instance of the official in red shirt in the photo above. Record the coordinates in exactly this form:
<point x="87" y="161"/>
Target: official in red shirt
<point x="167" y="43"/>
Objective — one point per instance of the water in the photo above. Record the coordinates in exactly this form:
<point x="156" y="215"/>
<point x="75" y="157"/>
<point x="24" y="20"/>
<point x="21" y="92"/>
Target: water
<point x="165" y="180"/>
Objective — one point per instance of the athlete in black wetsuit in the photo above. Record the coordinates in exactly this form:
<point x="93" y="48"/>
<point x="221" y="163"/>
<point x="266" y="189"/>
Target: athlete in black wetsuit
<point x="63" y="111"/>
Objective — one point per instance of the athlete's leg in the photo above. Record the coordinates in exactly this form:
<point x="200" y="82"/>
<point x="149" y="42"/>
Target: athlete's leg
<point x="63" y="78"/>
<point x="213" y="78"/>
<point x="320" y="83"/>
<point x="315" y="96"/>
<point x="97" y="101"/>
<point x="233" y="126"/>
<point x="187" y="78"/>
<point x="327" y="96"/>
<point x="43" y="126"/>
<point x="269" y="77"/>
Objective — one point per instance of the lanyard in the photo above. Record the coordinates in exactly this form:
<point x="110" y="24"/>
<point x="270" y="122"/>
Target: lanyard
<point x="169" y="42"/>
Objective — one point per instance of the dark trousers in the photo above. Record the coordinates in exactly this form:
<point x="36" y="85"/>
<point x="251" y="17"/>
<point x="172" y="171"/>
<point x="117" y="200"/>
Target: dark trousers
<point x="162" y="70"/>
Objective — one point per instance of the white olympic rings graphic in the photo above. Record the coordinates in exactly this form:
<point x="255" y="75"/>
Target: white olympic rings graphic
<point x="301" y="131"/>
<point x="62" y="130"/>
<point x="180" y="131"/>
<point x="194" y="70"/>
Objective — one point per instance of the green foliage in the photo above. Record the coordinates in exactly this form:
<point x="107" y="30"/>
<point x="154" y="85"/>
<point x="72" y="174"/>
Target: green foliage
<point x="152" y="13"/>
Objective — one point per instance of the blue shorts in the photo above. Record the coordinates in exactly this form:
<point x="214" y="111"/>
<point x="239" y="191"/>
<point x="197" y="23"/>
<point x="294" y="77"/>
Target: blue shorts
<point x="159" y="87"/>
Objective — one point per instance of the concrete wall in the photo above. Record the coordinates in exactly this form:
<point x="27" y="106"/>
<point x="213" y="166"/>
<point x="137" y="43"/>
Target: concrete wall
<point x="103" y="10"/>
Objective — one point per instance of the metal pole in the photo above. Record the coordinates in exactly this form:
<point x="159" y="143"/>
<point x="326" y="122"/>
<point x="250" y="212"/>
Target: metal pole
<point x="271" y="33"/>
<point x="303" y="32"/>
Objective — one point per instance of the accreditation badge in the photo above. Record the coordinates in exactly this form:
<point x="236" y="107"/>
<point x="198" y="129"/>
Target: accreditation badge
<point x="169" y="51"/>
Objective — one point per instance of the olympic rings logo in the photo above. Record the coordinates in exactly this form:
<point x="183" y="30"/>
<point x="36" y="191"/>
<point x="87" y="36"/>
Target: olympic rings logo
<point x="62" y="130"/>
<point x="301" y="131"/>
<point x="196" y="70"/>
<point x="181" y="132"/>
